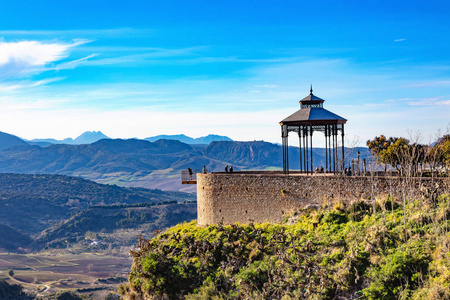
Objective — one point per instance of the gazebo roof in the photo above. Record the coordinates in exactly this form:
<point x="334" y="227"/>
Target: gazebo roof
<point x="313" y="115"/>
<point x="312" y="97"/>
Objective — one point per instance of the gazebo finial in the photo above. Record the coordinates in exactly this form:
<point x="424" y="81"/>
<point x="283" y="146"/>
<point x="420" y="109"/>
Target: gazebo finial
<point x="311" y="90"/>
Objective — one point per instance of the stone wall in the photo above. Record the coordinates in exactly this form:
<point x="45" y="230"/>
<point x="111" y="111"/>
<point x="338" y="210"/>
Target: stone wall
<point x="260" y="197"/>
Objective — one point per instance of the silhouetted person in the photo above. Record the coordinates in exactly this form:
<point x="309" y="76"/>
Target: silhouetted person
<point x="226" y="169"/>
<point x="190" y="173"/>
<point x="231" y="169"/>
<point x="321" y="169"/>
<point x="204" y="170"/>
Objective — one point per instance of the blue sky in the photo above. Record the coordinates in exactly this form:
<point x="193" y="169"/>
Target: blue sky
<point x="235" y="68"/>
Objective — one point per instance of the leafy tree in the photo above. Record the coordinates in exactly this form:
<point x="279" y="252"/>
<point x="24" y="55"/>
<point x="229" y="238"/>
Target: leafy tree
<point x="11" y="272"/>
<point x="380" y="144"/>
<point x="393" y="153"/>
<point x="439" y="154"/>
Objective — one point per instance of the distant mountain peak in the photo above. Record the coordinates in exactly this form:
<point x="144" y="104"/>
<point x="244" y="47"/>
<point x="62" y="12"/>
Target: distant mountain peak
<point x="89" y="137"/>
<point x="188" y="140"/>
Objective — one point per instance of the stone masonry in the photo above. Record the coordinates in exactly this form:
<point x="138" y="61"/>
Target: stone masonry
<point x="270" y="196"/>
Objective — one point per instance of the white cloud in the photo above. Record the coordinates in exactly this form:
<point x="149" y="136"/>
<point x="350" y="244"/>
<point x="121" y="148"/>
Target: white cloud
<point x="21" y="59"/>
<point x="399" y="40"/>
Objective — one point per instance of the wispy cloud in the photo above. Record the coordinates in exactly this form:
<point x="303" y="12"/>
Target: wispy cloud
<point x="429" y="102"/>
<point x="431" y="83"/>
<point x="267" y="86"/>
<point x="23" y="84"/>
<point x="122" y="32"/>
<point x="74" y="63"/>
<point x="399" y="40"/>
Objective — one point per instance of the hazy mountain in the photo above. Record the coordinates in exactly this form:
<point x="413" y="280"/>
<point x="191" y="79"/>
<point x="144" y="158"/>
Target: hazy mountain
<point x="179" y="137"/>
<point x="9" y="140"/>
<point x="87" y="137"/>
<point x="188" y="140"/>
<point x="211" y="138"/>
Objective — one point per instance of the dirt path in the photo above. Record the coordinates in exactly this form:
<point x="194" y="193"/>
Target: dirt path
<point x="37" y="286"/>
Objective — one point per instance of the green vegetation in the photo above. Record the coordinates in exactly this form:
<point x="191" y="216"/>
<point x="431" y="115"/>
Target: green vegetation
<point x="349" y="253"/>
<point x="407" y="157"/>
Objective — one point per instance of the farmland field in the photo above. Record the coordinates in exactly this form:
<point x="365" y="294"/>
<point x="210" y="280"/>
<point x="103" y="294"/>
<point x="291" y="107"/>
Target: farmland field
<point x="47" y="273"/>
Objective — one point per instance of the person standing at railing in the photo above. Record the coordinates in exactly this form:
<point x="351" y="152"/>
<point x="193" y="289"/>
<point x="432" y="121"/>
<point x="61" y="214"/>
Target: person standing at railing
<point x="204" y="170"/>
<point x="190" y="173"/>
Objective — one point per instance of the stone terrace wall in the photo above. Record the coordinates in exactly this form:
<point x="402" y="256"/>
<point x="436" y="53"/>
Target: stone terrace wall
<point x="249" y="197"/>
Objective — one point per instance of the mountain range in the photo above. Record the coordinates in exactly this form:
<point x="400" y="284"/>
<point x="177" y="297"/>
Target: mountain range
<point x="141" y="163"/>
<point x="90" y="137"/>
<point x="87" y="137"/>
<point x="205" y="140"/>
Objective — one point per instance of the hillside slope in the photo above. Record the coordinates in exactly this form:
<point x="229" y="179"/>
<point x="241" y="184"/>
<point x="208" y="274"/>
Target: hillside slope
<point x="114" y="226"/>
<point x="12" y="239"/>
<point x="32" y="203"/>
<point x="329" y="254"/>
<point x="9" y="141"/>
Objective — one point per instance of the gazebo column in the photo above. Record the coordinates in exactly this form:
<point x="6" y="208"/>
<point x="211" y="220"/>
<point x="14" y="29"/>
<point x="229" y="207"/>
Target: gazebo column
<point x="285" y="146"/>
<point x="311" y="147"/>
<point x="326" y="148"/>
<point x="343" y="152"/>
<point x="305" y="149"/>
<point x="300" y="148"/>
<point x="329" y="149"/>
<point x="334" y="148"/>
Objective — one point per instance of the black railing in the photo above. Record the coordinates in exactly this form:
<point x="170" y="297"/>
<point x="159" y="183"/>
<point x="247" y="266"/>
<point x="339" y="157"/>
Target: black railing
<point x="187" y="175"/>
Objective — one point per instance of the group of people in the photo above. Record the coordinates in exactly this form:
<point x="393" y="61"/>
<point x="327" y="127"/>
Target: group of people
<point x="229" y="170"/>
<point x="348" y="171"/>
<point x="319" y="170"/>
<point x="191" y="173"/>
<point x="204" y="171"/>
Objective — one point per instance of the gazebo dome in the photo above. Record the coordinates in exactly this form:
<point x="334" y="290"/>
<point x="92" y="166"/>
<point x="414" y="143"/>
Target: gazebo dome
<point x="312" y="112"/>
<point x="311" y="100"/>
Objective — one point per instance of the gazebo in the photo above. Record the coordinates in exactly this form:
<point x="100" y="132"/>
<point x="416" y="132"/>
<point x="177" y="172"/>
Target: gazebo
<point x="313" y="117"/>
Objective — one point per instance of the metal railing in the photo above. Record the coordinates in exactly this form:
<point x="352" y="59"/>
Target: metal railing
<point x="189" y="176"/>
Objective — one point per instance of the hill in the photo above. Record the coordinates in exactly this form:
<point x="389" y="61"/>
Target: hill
<point x="114" y="226"/>
<point x="9" y="141"/>
<point x="12" y="239"/>
<point x="32" y="203"/>
<point x="352" y="253"/>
